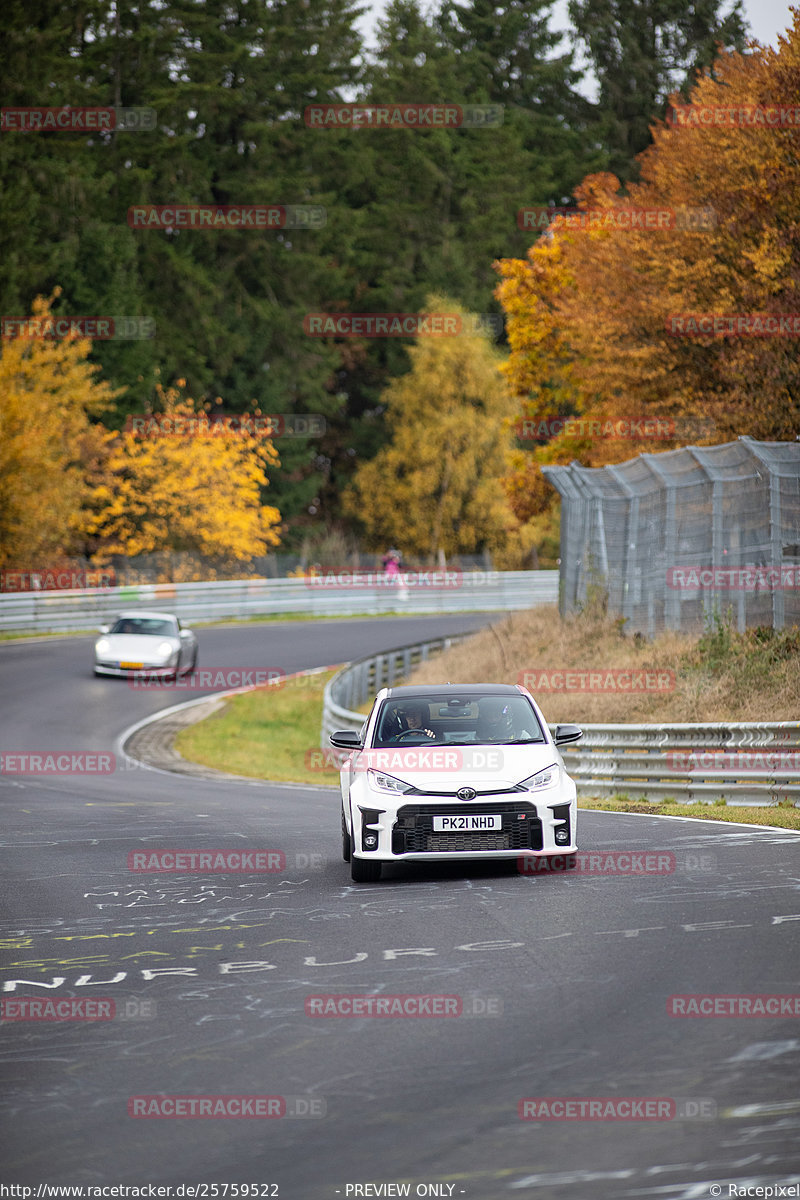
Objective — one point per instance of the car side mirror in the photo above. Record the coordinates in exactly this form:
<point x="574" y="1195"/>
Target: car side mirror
<point x="186" y="632"/>
<point x="104" y="629"/>
<point x="567" y="733"/>
<point x="346" y="739"/>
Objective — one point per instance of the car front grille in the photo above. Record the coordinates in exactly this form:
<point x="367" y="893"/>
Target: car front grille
<point x="413" y="830"/>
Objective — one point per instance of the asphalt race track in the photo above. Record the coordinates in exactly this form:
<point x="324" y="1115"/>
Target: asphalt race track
<point x="563" y="979"/>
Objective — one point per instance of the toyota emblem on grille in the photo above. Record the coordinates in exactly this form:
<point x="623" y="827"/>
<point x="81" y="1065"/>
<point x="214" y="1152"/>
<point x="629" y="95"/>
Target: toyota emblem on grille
<point x="466" y="793"/>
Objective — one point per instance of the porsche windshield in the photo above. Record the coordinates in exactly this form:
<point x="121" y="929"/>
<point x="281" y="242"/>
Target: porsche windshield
<point x="457" y="721"/>
<point x="145" y="626"/>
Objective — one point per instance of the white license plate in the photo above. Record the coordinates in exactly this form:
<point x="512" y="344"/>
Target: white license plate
<point x="467" y="823"/>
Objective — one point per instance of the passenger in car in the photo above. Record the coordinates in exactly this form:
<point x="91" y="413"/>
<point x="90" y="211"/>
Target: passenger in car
<point x="494" y="721"/>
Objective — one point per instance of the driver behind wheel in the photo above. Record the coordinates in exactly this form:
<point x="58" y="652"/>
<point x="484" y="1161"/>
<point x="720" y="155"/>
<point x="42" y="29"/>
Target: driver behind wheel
<point x="413" y="717"/>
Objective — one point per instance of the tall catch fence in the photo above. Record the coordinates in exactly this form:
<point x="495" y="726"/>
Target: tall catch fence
<point x="675" y="538"/>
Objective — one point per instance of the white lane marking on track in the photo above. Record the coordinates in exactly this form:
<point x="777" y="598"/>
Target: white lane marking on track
<point x="759" y="1051"/>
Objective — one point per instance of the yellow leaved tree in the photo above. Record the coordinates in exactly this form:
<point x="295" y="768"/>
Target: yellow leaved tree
<point x="48" y="392"/>
<point x="190" y="491"/>
<point x="435" y="489"/>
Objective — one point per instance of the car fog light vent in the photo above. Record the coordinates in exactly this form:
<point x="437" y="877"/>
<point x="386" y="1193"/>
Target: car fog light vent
<point x="369" y="837"/>
<point x="562" y="836"/>
<point x="560" y="812"/>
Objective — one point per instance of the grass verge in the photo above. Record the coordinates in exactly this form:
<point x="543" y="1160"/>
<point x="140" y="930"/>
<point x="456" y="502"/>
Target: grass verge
<point x="782" y="816"/>
<point x="269" y="733"/>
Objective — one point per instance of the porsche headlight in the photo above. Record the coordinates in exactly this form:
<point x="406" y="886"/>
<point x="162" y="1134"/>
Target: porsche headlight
<point x="102" y="647"/>
<point x="550" y="777"/>
<point x="165" y="650"/>
<point x="388" y="783"/>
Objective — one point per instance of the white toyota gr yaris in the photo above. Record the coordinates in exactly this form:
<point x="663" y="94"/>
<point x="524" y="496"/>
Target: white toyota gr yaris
<point x="454" y="771"/>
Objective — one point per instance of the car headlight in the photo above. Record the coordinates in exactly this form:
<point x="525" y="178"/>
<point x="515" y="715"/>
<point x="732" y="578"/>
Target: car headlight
<point x="548" y="778"/>
<point x="102" y="647"/>
<point x="388" y="783"/>
<point x="165" y="650"/>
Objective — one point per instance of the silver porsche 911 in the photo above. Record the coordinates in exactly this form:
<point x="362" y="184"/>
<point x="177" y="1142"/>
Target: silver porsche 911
<point x="155" y="642"/>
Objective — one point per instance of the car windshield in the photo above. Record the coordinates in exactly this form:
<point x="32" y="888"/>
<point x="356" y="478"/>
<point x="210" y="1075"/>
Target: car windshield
<point x="145" y="627"/>
<point x="457" y="720"/>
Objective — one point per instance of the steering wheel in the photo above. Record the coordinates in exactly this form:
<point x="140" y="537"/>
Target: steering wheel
<point x="414" y="732"/>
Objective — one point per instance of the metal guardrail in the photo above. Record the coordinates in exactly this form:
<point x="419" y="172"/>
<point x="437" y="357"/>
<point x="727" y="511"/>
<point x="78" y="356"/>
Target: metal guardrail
<point x="739" y="763"/>
<point x="472" y="591"/>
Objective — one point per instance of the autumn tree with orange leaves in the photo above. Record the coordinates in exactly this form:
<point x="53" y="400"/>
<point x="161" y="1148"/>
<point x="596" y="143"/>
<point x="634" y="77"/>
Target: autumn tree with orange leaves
<point x="588" y="311"/>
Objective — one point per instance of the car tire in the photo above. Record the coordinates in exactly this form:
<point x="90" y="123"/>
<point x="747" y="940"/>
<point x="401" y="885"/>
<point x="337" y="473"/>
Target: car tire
<point x="346" y="848"/>
<point x="364" y="870"/>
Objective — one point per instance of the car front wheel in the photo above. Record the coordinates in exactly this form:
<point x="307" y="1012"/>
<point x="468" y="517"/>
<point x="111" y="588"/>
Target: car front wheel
<point x="346" y="850"/>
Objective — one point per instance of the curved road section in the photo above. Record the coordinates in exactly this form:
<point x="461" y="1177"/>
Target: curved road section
<point x="255" y="1025"/>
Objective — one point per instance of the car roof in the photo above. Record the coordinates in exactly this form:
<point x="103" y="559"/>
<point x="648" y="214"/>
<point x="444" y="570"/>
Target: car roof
<point x="131" y="613"/>
<point x="463" y="689"/>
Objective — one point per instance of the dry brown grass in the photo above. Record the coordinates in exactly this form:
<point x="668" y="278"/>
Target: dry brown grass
<point x="721" y="676"/>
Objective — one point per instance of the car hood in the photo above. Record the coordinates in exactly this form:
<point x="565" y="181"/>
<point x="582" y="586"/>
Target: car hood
<point x="446" y="768"/>
<point x="136" y="647"/>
